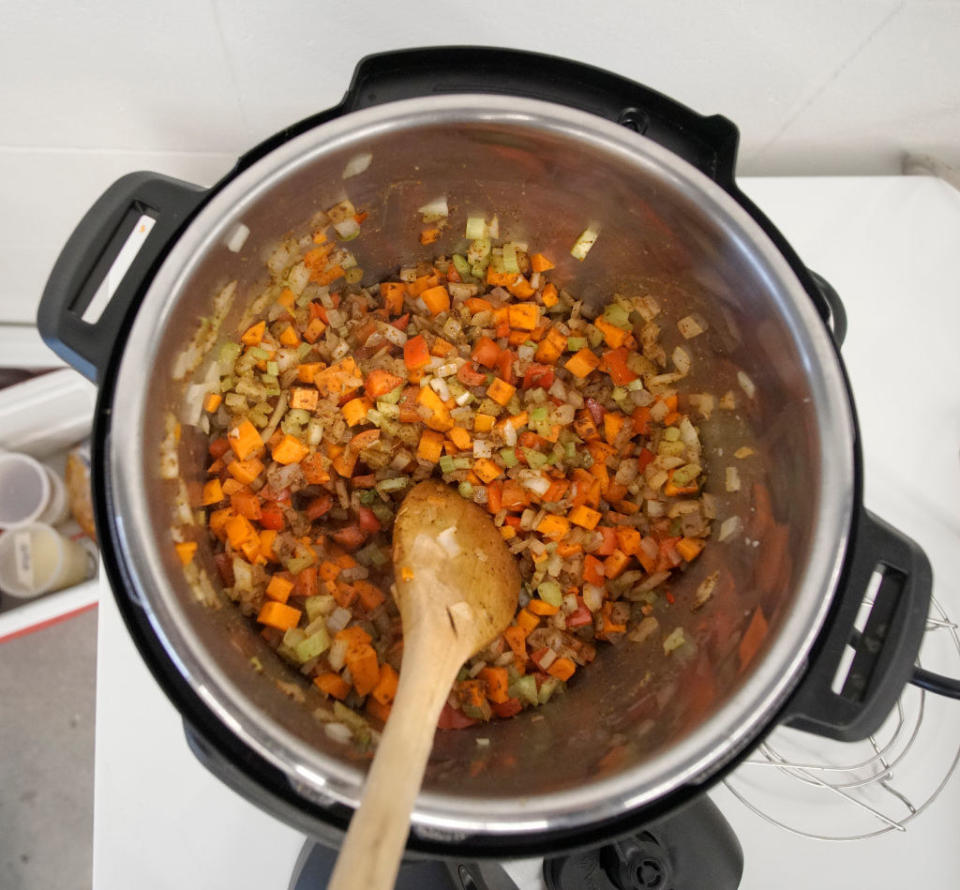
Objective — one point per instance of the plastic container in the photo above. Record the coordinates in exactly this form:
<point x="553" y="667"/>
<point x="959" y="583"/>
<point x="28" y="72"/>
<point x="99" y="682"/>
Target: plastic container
<point x="37" y="559"/>
<point x="29" y="492"/>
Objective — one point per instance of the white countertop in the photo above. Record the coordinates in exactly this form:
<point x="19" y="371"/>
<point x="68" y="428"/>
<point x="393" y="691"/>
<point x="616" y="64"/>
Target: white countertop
<point x="889" y="246"/>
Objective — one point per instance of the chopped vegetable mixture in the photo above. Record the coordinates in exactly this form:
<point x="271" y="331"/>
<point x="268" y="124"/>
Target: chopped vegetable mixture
<point x="478" y="369"/>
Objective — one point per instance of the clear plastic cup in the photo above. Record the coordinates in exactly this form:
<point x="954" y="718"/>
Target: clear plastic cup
<point x="37" y="559"/>
<point x="29" y="492"/>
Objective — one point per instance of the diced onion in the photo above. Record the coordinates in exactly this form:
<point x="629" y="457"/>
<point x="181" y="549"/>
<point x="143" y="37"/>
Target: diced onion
<point x="394" y="335"/>
<point x="435" y="209"/>
<point x="439" y="386"/>
<point x="593" y="597"/>
<point x="339" y="732"/>
<point x="585" y="242"/>
<point x="691" y="326"/>
<point x="682" y="361"/>
<point x="674" y="640"/>
<point x="539" y="485"/>
<point x="338" y="620"/>
<point x="509" y="435"/>
<point x="482" y="448"/>
<point x="733" y="479"/>
<point x="357" y="165"/>
<point x="347" y="228"/>
<point x="729" y="527"/>
<point x="746" y="384"/>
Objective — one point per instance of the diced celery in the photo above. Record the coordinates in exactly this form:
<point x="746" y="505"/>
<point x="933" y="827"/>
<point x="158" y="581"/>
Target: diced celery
<point x="227" y="383"/>
<point x="259" y="353"/>
<point x="465" y="489"/>
<point x="392" y="397"/>
<point x="510" y="263"/>
<point x="671" y="449"/>
<point x="569" y="450"/>
<point x="302" y="350"/>
<point x="269" y="379"/>
<point x="314" y="645"/>
<point x="382" y="512"/>
<point x="635" y="385"/>
<point x="586" y="240"/>
<point x="476" y="228"/>
<point x="524" y="688"/>
<point x="547" y="688"/>
<point x="674" y="640"/>
<point x="685" y="474"/>
<point x="273" y="369"/>
<point x="388" y="410"/>
<point x="539" y="413"/>
<point x="298" y="564"/>
<point x="322" y="604"/>
<point x="549" y="592"/>
<point x="617" y="315"/>
<point x="293" y="637"/>
<point x="535" y="459"/>
<point x="446" y="464"/>
<point x="374" y="416"/>
<point x="509" y="457"/>
<point x="594" y="336"/>
<point x="575" y="344"/>
<point x="229" y="353"/>
<point x="462" y="463"/>
<point x="461" y="265"/>
<point x="367" y="497"/>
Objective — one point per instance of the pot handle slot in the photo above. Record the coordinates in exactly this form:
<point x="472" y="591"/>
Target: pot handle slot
<point x="867" y="652"/>
<point x="709" y="143"/>
<point x="100" y="273"/>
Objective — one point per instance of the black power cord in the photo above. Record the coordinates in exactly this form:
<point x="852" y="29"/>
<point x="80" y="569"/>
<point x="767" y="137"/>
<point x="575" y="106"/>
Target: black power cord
<point x="931" y="682"/>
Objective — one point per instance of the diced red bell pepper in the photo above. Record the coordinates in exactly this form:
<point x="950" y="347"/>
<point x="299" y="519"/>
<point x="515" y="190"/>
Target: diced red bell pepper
<point x="351" y="537"/>
<point x="485" y="352"/>
<point x="609" y="543"/>
<point x="596" y="411"/>
<point x="451" y="718"/>
<point x="581" y="617"/>
<point x="538" y="375"/>
<point x="470" y="376"/>
<point x="318" y="507"/>
<point x="644" y="458"/>
<point x="368" y="519"/>
<point x="402" y="322"/>
<point x="509" y="708"/>
<point x="271" y="516"/>
<point x="505" y="367"/>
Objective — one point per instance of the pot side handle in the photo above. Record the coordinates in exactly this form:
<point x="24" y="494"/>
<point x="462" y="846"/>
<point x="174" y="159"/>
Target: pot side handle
<point x="124" y="236"/>
<point x="883" y="647"/>
<point x="709" y="143"/>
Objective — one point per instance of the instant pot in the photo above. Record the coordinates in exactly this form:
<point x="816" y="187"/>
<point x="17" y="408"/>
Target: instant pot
<point x="550" y="146"/>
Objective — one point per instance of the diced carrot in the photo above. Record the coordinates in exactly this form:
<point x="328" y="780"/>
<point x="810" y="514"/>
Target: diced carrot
<point x="369" y="594"/>
<point x="423" y="283"/>
<point x="246" y="503"/>
<point x="437" y="299"/>
<point x="364" y="668"/>
<point x="279" y="588"/>
<point x="185" y="551"/>
<point x="499" y="279"/>
<point x="613" y="422"/>
<point x="415" y="352"/>
<point x="522" y="290"/>
<point x="582" y="363"/>
<point x="689" y="548"/>
<point x="431" y="446"/>
<point x="554" y="527"/>
<point x="442" y="347"/>
<point x="218" y="519"/>
<point x="483" y="423"/>
<point x="496" y="681"/>
<point x="671" y="489"/>
<point x="752" y="637"/>
<point x="328" y="276"/>
<point x="500" y="391"/>
<point x="212" y="402"/>
<point x="307" y="371"/>
<point x="290" y="450"/>
<point x="593" y="572"/>
<point x="314" y="330"/>
<point x="314" y="471"/>
<point x="305" y="398"/>
<point x="439" y="419"/>
<point x="628" y="539"/>
<point x="516" y="638"/>
<point x="504" y="367"/>
<point x="355" y="411"/>
<point x="615" y="563"/>
<point x="354" y="636"/>
<point x="551" y="347"/>
<point x="333" y="685"/>
<point x="429" y="236"/>
<point x="212" y="492"/>
<point x="565" y="549"/>
<point x="539" y="263"/>
<point x="278" y="615"/>
<point x="287" y="299"/>
<point x="340" y="380"/>
<point x="290" y="337"/>
<point x="239" y="529"/>
<point x="477" y="304"/>
<point x="613" y="335"/>
<point x="392" y="293"/>
<point x="608" y="543"/>
<point x="527" y="621"/>
<point x="461" y="438"/>
<point x="380" y="382"/>
<point x="525" y="316"/>
<point x="487" y="470"/>
<point x="584" y="517"/>
<point x="563" y="669"/>
<point x="550" y="297"/>
<point x="386" y="689"/>
<point x="350" y="537"/>
<point x="377" y="710"/>
<point x="672" y="418"/>
<point x="254" y="334"/>
<point x="267" y="537"/>
<point x="344" y="462"/>
<point x="219" y="447"/>
<point x="316" y="258"/>
<point x="244" y="439"/>
<point x="485" y="352"/>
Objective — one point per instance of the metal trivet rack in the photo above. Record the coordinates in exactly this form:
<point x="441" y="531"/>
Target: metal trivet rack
<point x="875" y="786"/>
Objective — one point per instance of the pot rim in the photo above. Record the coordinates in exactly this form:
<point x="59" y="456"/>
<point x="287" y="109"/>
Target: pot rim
<point x="694" y="758"/>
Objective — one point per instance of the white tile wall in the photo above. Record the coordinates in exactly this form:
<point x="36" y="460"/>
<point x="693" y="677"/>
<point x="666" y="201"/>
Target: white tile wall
<point x="89" y="91"/>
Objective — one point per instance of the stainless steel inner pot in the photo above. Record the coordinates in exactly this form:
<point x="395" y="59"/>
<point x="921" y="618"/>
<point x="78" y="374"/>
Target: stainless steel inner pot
<point x="631" y="728"/>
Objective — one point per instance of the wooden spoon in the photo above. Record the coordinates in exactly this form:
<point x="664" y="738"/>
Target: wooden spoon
<point x="457" y="586"/>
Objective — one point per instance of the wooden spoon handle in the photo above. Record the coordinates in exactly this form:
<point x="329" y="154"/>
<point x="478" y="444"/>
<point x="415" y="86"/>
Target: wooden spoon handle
<point x="373" y="847"/>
